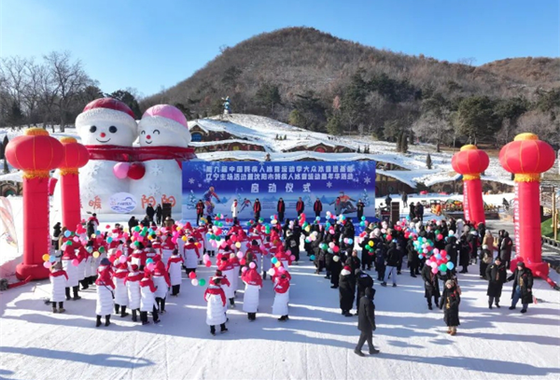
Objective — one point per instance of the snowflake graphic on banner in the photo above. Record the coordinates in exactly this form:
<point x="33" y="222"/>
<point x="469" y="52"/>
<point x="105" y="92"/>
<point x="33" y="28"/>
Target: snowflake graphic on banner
<point x="329" y="184"/>
<point x="155" y="189"/>
<point x="367" y="180"/>
<point x="156" y="169"/>
<point x="191" y="181"/>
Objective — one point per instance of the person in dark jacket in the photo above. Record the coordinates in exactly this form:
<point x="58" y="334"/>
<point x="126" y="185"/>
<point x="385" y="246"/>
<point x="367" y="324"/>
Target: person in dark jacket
<point x="346" y="290"/>
<point x="522" y="286"/>
<point x="150" y="212"/>
<point x="388" y="200"/>
<point x="336" y="268"/>
<point x="292" y="245"/>
<point x="412" y="211"/>
<point x="380" y="259"/>
<point x="132" y="222"/>
<point x="353" y="261"/>
<point x="317" y="207"/>
<point x="367" y="258"/>
<point x="366" y="323"/>
<point x="57" y="231"/>
<point x="281" y="209"/>
<point x="159" y="214"/>
<point x="496" y="275"/>
<point x="300" y="206"/>
<point x="404" y="199"/>
<point x="257" y="209"/>
<point x="413" y="259"/>
<point x="452" y="250"/>
<point x="363" y="281"/>
<point x="360" y="209"/>
<point x="419" y="211"/>
<point x="464" y="254"/>
<point x="486" y="257"/>
<point x="505" y="249"/>
<point x="431" y="286"/>
<point x="393" y="257"/>
<point x="449" y="302"/>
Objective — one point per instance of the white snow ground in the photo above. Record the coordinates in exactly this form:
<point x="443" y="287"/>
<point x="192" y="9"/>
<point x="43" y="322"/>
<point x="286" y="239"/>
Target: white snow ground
<point x="316" y="343"/>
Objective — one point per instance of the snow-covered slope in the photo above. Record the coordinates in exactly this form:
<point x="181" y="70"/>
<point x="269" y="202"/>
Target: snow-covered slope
<point x="263" y="131"/>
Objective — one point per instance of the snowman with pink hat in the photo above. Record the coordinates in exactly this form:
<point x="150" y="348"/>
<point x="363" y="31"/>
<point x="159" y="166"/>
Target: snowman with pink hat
<point x="164" y="137"/>
<point x="107" y="128"/>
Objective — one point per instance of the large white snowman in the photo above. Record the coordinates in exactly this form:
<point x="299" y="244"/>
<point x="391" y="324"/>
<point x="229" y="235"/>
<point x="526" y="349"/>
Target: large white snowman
<point x="107" y="128"/>
<point x="163" y="136"/>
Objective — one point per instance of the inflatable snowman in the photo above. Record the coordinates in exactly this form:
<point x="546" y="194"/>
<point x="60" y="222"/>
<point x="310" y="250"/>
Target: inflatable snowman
<point x="164" y="137"/>
<point x="107" y="129"/>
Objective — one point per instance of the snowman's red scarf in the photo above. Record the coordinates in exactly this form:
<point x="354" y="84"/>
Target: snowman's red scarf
<point x="130" y="154"/>
<point x="111" y="153"/>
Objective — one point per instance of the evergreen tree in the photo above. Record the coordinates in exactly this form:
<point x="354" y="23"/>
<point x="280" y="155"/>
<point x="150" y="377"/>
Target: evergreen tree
<point x="4" y="145"/>
<point x="129" y="99"/>
<point x="334" y="126"/>
<point x="358" y="151"/>
<point x="404" y="142"/>
<point x="429" y="161"/>
<point x="297" y="119"/>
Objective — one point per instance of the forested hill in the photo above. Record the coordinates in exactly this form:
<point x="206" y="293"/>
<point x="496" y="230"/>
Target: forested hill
<point x="320" y="82"/>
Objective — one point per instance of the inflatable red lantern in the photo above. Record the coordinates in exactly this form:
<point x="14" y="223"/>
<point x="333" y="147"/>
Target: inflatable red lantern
<point x="471" y="162"/>
<point x="75" y="156"/>
<point x="36" y="153"/>
<point x="527" y="157"/>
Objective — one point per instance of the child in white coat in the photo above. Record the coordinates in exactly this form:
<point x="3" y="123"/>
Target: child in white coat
<point x="148" y="300"/>
<point x="191" y="256"/>
<point x="105" y="287"/>
<point x="132" y="282"/>
<point x="58" y="279"/>
<point x="121" y="291"/>
<point x="253" y="284"/>
<point x="281" y="297"/>
<point x="174" y="265"/>
<point x="216" y="299"/>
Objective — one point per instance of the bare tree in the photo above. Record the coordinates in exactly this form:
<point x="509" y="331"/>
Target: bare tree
<point x="542" y="125"/>
<point x="70" y="80"/>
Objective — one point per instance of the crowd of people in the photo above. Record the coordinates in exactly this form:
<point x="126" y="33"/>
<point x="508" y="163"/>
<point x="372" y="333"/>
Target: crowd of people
<point x="136" y="268"/>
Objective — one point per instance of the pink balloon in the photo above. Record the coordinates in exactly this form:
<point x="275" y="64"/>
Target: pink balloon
<point x="122" y="259"/>
<point x="240" y="255"/>
<point x="243" y="269"/>
<point x="47" y="264"/>
<point x="434" y="270"/>
<point x="120" y="170"/>
<point x="252" y="265"/>
<point x="75" y="262"/>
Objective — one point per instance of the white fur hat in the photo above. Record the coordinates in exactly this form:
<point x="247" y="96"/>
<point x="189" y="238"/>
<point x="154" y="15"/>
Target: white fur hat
<point x="106" y="109"/>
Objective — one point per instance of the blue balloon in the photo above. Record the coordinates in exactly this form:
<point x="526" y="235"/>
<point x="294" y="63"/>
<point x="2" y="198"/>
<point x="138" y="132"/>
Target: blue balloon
<point x="312" y="257"/>
<point x="450" y="265"/>
<point x="350" y="241"/>
<point x="67" y="233"/>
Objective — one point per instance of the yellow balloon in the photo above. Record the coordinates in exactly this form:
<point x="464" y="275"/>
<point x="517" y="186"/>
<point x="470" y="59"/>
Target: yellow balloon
<point x="238" y="245"/>
<point x="178" y="228"/>
<point x="278" y="263"/>
<point x="184" y="238"/>
<point x="96" y="254"/>
<point x="46" y="257"/>
<point x="370" y="244"/>
<point x="93" y="236"/>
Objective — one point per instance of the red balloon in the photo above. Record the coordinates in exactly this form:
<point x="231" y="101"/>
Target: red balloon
<point x="192" y="275"/>
<point x="136" y="171"/>
<point x="208" y="264"/>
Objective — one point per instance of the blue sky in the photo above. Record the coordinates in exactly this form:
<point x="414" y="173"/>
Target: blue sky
<point x="150" y="45"/>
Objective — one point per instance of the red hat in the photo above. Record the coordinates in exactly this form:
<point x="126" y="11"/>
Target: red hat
<point x="346" y="267"/>
<point x="106" y="109"/>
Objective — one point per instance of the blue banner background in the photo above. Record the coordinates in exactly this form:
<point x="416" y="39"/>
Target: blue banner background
<point x="269" y="181"/>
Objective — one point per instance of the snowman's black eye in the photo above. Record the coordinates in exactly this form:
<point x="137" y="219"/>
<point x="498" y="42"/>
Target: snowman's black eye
<point x="112" y="129"/>
<point x="143" y="132"/>
<point x="92" y="129"/>
<point x="156" y="131"/>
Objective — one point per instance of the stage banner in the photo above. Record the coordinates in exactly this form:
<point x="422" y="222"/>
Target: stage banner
<point x="339" y="186"/>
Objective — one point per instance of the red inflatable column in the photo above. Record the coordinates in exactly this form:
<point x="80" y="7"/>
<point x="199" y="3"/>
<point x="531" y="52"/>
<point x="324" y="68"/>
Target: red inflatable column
<point x="527" y="157"/>
<point x="36" y="153"/>
<point x="471" y="162"/>
<point x="75" y="156"/>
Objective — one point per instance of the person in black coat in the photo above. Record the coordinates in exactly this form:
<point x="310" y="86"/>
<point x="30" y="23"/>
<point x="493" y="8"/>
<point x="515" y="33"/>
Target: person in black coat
<point x="380" y="258"/>
<point x="366" y="323"/>
<point x="336" y="268"/>
<point x="363" y="281"/>
<point x="522" y="286"/>
<point x="346" y="290"/>
<point x="159" y="214"/>
<point x="449" y="302"/>
<point x="404" y="198"/>
<point x="353" y="261"/>
<point x="413" y="259"/>
<point x="317" y="207"/>
<point x="431" y="286"/>
<point x="281" y="209"/>
<point x="292" y="245"/>
<point x="505" y="249"/>
<point x="132" y="222"/>
<point x="464" y="254"/>
<point x="419" y="211"/>
<point x="412" y="211"/>
<point x="150" y="212"/>
<point x="367" y="259"/>
<point x="496" y="275"/>
<point x="360" y="210"/>
<point x="452" y="250"/>
<point x="393" y="257"/>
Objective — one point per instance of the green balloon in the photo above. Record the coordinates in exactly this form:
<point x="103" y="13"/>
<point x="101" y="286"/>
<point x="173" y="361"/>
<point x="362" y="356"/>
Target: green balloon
<point x="202" y="282"/>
